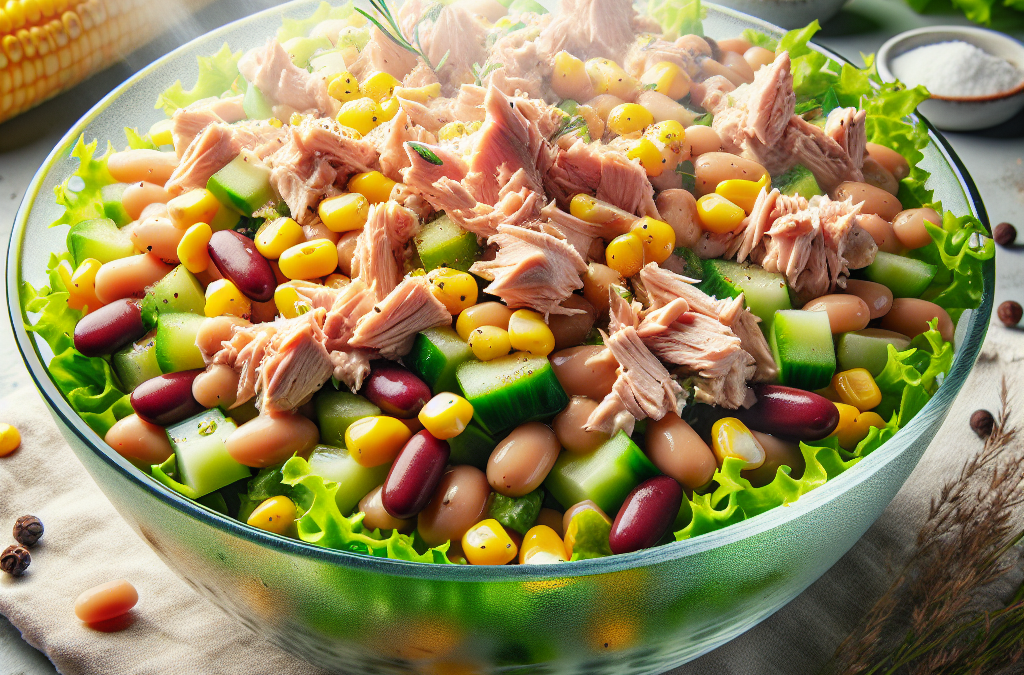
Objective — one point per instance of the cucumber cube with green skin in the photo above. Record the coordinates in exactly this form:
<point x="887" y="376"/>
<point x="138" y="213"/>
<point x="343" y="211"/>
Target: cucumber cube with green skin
<point x="604" y="476"/>
<point x="136" y="363"/>
<point x="112" y="206"/>
<point x="798" y="181"/>
<point x="226" y="219"/>
<point x="517" y="513"/>
<point x="473" y="447"/>
<point x="337" y="410"/>
<point x="442" y="243"/>
<point x="905" y="277"/>
<point x="300" y="49"/>
<point x="243" y="185"/>
<point x="764" y="292"/>
<point x="436" y="355"/>
<point x="179" y="291"/>
<point x="868" y="349"/>
<point x="98" y="238"/>
<point x="256" y="105"/>
<point x="802" y="345"/>
<point x="176" y="348"/>
<point x="204" y="464"/>
<point x="354" y="480"/>
<point x="511" y="390"/>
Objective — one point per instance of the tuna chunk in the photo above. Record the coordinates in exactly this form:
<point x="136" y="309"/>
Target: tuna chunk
<point x="295" y="366"/>
<point x="820" y="153"/>
<point x="380" y="248"/>
<point x="846" y="127"/>
<point x="601" y="171"/>
<point x="757" y="223"/>
<point x="713" y="93"/>
<point x="532" y="269"/>
<point x="391" y="326"/>
<point x="643" y="55"/>
<point x="523" y="65"/>
<point x="216" y="146"/>
<point x="744" y="324"/>
<point x="285" y="84"/>
<point x="589" y="29"/>
<point x="188" y="122"/>
<point x="578" y="233"/>
<point x="393" y="156"/>
<point x="757" y="113"/>
<point x="345" y="307"/>
<point x="382" y="55"/>
<point x="423" y="176"/>
<point x="452" y="34"/>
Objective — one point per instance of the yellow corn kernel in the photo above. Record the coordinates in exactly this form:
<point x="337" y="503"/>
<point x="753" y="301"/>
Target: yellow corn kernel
<point x="10" y="439"/>
<point x="389" y="108"/>
<point x="856" y="387"/>
<point x="373" y="185"/>
<point x="309" y="260"/>
<point x="289" y="302"/>
<point x="625" y="254"/>
<point x="276" y="123"/>
<point x="629" y="118"/>
<point x="474" y="126"/>
<point x="452" y="130"/>
<point x="667" y="133"/>
<point x="446" y="415"/>
<point x="276" y="515"/>
<point x="527" y="332"/>
<point x="570" y="79"/>
<point x="668" y="79"/>
<point x="83" y="284"/>
<point x="193" y="251"/>
<point x="608" y="77"/>
<point x="865" y="421"/>
<point x="489" y="342"/>
<point x="649" y="156"/>
<point x="456" y="290"/>
<point x="487" y="543"/>
<point x="336" y="281"/>
<point x="847" y="430"/>
<point x="657" y="237"/>
<point x="542" y="546"/>
<point x="379" y="86"/>
<point x="372" y="441"/>
<point x="160" y="132"/>
<point x="195" y="206"/>
<point x="743" y="193"/>
<point x="419" y="94"/>
<point x="718" y="215"/>
<point x="362" y="115"/>
<point x="344" y="87"/>
<point x="277" y="236"/>
<point x="588" y="208"/>
<point x="483" y="314"/>
<point x="224" y="299"/>
<point x="732" y="438"/>
<point x="344" y="213"/>
<point x="296" y="119"/>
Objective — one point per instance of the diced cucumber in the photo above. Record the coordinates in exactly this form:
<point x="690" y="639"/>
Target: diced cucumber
<point x="517" y="513"/>
<point x="442" y="243"/>
<point x="256" y="105"/>
<point x="511" y="390"/>
<point x="226" y="219"/>
<point x="328" y="63"/>
<point x="179" y="291"/>
<point x="604" y="476"/>
<point x="802" y="344"/>
<point x="354" y="480"/>
<point x="204" y="464"/>
<point x="300" y="49"/>
<point x="243" y="185"/>
<point x="798" y="181"/>
<point x="435" y="356"/>
<point x="337" y="410"/>
<point x="905" y="277"/>
<point x="524" y="6"/>
<point x="137" y="362"/>
<point x="176" y="348"/>
<point x="98" y="238"/>
<point x="473" y="446"/>
<point x="868" y="349"/>
<point x="764" y="292"/>
<point x="112" y="206"/>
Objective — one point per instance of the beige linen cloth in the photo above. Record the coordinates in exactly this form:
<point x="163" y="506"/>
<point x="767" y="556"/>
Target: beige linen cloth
<point x="173" y="630"/>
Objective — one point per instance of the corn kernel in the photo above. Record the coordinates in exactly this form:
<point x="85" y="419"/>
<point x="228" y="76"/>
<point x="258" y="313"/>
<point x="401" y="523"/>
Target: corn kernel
<point x="668" y="79"/>
<point x="10" y="439"/>
<point x="296" y="119"/>
<point x="629" y="118"/>
<point x="542" y="546"/>
<point x="389" y="108"/>
<point x="289" y="302"/>
<point x="379" y="86"/>
<point x="865" y="421"/>
<point x="589" y="208"/>
<point x="362" y="114"/>
<point x="195" y="206"/>
<point x="224" y="299"/>
<point x="193" y="251"/>
<point x="372" y="441"/>
<point x="344" y="213"/>
<point x="527" y="332"/>
<point x="625" y="254"/>
<point x="649" y="156"/>
<point x="83" y="284"/>
<point x="489" y="342"/>
<point x="419" y="94"/>
<point x="856" y="387"/>
<point x="743" y="193"/>
<point x="718" y="215"/>
<point x="487" y="543"/>
<point x="276" y="123"/>
<point x="732" y="438"/>
<point x="667" y="133"/>
<point x="309" y="260"/>
<point x="657" y="237"/>
<point x="160" y="132"/>
<point x="344" y="87"/>
<point x="608" y="77"/>
<point x="452" y="130"/>
<point x="847" y="430"/>
<point x="336" y="281"/>
<point x="483" y="314"/>
<point x="373" y="185"/>
<point x="276" y="515"/>
<point x="277" y="236"/>
<point x="446" y="415"/>
<point x="570" y="78"/>
<point x="456" y="290"/>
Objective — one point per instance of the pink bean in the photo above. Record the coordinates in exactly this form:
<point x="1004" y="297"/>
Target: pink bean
<point x="129" y="277"/>
<point x="137" y="196"/>
<point x="132" y="166"/>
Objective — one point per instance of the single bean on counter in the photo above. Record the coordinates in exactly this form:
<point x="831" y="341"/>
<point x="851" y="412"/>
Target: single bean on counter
<point x="106" y="601"/>
<point x="28" y="530"/>
<point x="15" y="560"/>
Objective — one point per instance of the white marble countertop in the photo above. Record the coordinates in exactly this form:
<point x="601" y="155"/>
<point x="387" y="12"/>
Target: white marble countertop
<point x="995" y="159"/>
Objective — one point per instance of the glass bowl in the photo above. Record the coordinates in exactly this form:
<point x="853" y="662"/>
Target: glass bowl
<point x="644" y="612"/>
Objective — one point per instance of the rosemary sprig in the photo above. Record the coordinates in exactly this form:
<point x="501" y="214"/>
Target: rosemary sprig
<point x="481" y="72"/>
<point x="394" y="31"/>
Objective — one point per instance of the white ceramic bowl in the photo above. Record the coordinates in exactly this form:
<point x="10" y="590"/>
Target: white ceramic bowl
<point x="788" y="13"/>
<point x="967" y="113"/>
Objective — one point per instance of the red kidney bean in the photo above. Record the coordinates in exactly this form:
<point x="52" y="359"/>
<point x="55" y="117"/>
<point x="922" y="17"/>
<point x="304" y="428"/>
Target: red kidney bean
<point x="396" y="390"/>
<point x="790" y="413"/>
<point x="238" y="260"/>
<point x="167" y="399"/>
<point x="646" y="515"/>
<point x="109" y="328"/>
<point x="415" y="475"/>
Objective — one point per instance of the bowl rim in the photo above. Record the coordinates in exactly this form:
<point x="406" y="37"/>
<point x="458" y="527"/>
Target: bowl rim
<point x="937" y="406"/>
<point x="887" y="52"/>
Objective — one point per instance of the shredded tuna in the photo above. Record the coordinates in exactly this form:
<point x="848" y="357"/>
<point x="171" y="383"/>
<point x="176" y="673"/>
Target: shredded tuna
<point x="216" y="146"/>
<point x="382" y="55"/>
<point x="391" y="326"/>
<point x="643" y="54"/>
<point x="846" y="127"/>
<point x="430" y="117"/>
<point x="820" y="153"/>
<point x="590" y="29"/>
<point x="393" y="156"/>
<point x="756" y="224"/>
<point x="283" y="83"/>
<point x="381" y="246"/>
<point x="451" y="34"/>
<point x="578" y="233"/>
<point x="345" y="307"/>
<point x="757" y="113"/>
<point x="188" y="122"/>
<point x="713" y="93"/>
<point x="523" y="65"/>
<point x="601" y="171"/>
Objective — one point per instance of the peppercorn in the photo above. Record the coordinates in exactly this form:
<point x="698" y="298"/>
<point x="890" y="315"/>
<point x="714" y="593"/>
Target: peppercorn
<point x="27" y="530"/>
<point x="1005" y="234"/>
<point x="15" y="560"/>
<point x="982" y="423"/>
<point x="1010" y="313"/>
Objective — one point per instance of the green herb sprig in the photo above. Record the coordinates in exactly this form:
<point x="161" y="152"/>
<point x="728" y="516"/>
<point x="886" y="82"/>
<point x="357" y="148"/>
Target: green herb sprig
<point x="394" y="31"/>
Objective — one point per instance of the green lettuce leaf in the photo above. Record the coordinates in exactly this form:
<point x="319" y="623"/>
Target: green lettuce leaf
<point x="678" y="17"/>
<point x="89" y="385"/>
<point x="293" y="28"/>
<point x="79" y="194"/>
<point x="759" y="39"/>
<point x="959" y="249"/>
<point x="590" y="535"/>
<point x="217" y="76"/>
<point x="910" y="377"/>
